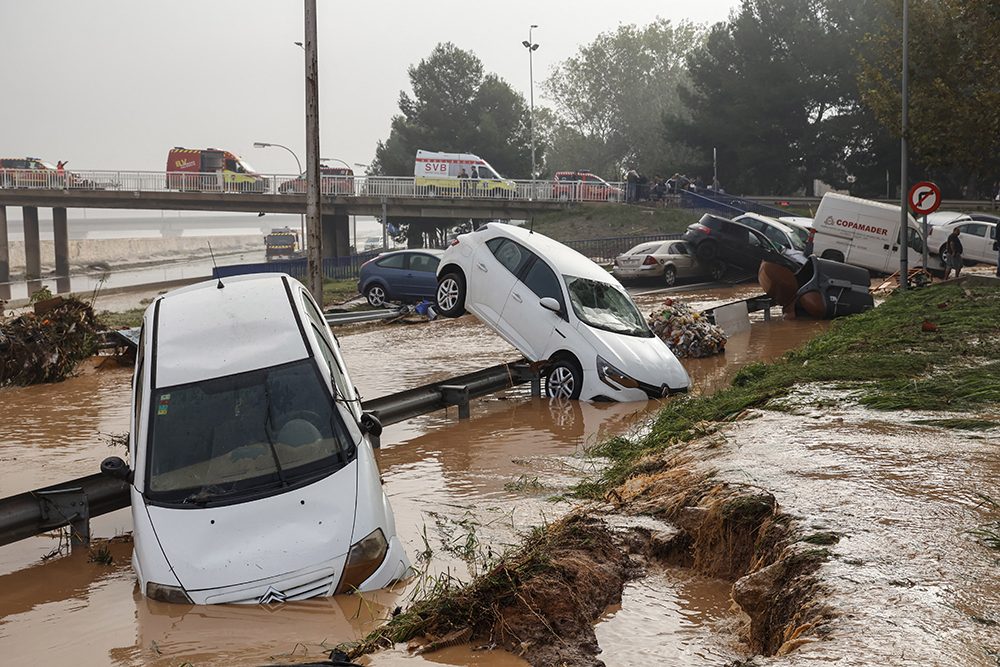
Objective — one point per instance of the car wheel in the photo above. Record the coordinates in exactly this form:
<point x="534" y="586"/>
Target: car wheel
<point x="375" y="295"/>
<point x="565" y="380"/>
<point x="450" y="295"/>
<point x="833" y="256"/>
<point x="717" y="269"/>
<point x="669" y="276"/>
<point x="707" y="250"/>
<point x="943" y="249"/>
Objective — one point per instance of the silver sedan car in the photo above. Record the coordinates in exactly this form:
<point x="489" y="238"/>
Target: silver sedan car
<point x="666" y="261"/>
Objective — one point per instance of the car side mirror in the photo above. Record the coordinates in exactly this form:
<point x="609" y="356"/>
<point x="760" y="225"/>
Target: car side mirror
<point x="370" y="425"/>
<point x="551" y="304"/>
<point x="114" y="466"/>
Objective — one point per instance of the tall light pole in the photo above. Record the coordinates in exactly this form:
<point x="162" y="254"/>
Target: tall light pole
<point x="314" y="219"/>
<point x="532" y="47"/>
<point x="302" y="218"/>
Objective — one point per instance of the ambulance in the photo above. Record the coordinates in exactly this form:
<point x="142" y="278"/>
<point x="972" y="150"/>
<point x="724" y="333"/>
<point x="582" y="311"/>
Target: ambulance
<point x="866" y="233"/>
<point x="211" y="169"/>
<point x="440" y="173"/>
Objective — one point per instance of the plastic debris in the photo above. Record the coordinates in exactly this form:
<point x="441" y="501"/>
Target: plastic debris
<point x="686" y="332"/>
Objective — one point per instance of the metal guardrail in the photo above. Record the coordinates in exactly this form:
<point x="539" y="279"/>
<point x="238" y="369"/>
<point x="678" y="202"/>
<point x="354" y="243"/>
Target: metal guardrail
<point x="271" y="184"/>
<point x="72" y="503"/>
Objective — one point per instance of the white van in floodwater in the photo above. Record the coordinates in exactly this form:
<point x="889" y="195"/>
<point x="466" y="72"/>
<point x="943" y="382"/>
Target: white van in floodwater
<point x="253" y="479"/>
<point x="866" y="233"/>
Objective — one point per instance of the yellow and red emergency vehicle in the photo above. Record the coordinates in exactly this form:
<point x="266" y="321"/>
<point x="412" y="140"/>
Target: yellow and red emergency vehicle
<point x="211" y="169"/>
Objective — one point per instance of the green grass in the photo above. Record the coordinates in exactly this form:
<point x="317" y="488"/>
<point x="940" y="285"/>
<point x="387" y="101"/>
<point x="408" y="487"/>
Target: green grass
<point x="883" y="354"/>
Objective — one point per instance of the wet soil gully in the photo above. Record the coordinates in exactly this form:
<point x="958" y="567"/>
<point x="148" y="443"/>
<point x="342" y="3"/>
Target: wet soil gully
<point x="840" y="533"/>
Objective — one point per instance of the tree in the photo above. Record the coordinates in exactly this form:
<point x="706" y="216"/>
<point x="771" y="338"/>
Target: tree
<point x="774" y="91"/>
<point x="610" y="99"/>
<point x="457" y="108"/>
<point x="954" y="86"/>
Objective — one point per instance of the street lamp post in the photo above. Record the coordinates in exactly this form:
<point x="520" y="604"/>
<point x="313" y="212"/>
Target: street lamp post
<point x="532" y="47"/>
<point x="302" y="218"/>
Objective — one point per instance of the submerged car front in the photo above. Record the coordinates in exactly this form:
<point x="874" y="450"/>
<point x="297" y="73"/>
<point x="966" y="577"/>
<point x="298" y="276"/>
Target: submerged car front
<point x="253" y="481"/>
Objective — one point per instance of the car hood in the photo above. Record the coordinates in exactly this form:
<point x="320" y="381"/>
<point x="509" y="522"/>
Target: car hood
<point x="214" y="548"/>
<point x="648" y="360"/>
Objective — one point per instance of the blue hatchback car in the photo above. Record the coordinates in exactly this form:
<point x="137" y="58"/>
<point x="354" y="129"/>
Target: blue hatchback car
<point x="408" y="276"/>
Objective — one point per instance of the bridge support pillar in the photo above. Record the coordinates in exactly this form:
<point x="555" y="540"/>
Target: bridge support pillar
<point x="336" y="233"/>
<point x="4" y="256"/>
<point x="32" y="244"/>
<point x="60" y="234"/>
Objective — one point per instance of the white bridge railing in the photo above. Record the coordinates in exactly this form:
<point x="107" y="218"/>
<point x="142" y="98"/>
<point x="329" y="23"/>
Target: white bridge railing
<point x="279" y="185"/>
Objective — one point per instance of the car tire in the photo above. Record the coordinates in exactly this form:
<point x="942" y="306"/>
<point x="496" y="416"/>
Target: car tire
<point x="707" y="250"/>
<point x="450" y="295"/>
<point x="717" y="269"/>
<point x="564" y="380"/>
<point x="833" y="256"/>
<point x="375" y="294"/>
<point x="669" y="276"/>
<point x="943" y="249"/>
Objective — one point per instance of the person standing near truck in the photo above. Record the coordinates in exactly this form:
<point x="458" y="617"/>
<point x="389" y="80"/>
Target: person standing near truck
<point x="954" y="258"/>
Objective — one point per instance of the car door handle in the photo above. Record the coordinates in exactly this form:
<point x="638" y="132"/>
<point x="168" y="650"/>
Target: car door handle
<point x="517" y="297"/>
<point x="482" y="267"/>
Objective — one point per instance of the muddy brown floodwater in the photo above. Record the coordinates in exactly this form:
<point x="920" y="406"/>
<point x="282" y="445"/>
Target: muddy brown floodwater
<point x="464" y="489"/>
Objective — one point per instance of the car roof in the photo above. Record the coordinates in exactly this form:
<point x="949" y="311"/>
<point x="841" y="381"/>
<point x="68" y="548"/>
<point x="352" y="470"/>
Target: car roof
<point x="204" y="331"/>
<point x="565" y="260"/>
<point x="946" y="217"/>
<point x="780" y="224"/>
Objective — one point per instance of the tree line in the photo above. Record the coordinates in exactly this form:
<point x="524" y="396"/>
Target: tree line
<point x="782" y="93"/>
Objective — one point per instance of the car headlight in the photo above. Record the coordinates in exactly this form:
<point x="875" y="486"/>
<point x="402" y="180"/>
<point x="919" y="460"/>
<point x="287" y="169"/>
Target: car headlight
<point x="165" y="593"/>
<point x="613" y="377"/>
<point x="365" y="557"/>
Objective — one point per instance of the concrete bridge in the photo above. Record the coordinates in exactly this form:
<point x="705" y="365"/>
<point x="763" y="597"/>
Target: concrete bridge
<point x="392" y="199"/>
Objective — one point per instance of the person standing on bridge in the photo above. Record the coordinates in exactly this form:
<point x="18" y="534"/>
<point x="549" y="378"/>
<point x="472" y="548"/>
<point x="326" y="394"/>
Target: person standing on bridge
<point x="61" y="173"/>
<point x="475" y="180"/>
<point x="464" y="183"/>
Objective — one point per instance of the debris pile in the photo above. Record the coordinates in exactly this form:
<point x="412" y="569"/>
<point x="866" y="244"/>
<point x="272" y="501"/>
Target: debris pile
<point x="47" y="344"/>
<point x="686" y="332"/>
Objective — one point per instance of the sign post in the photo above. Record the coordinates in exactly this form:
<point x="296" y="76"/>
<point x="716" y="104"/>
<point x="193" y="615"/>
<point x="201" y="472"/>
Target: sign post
<point x="924" y="199"/>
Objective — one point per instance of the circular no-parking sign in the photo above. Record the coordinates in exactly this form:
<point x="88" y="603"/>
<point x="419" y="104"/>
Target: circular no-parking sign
<point x="925" y="197"/>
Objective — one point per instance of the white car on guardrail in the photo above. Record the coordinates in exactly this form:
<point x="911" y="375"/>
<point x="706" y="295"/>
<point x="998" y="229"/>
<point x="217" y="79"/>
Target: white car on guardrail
<point x="560" y="310"/>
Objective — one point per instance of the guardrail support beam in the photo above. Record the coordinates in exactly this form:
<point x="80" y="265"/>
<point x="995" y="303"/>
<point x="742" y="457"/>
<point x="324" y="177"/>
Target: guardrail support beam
<point x="66" y="506"/>
<point x="457" y="395"/>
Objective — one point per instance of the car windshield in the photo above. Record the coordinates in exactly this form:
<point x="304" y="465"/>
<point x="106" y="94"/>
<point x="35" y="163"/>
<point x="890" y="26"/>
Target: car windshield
<point x="799" y="236"/>
<point x="245" y="434"/>
<point x="606" y="306"/>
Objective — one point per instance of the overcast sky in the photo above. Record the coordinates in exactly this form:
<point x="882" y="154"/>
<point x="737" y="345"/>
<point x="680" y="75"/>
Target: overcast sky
<point x="114" y="84"/>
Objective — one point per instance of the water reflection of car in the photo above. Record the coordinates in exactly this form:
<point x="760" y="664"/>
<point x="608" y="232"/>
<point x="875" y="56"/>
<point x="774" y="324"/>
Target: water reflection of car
<point x="735" y="243"/>
<point x="666" y="261"/>
<point x="560" y="310"/>
<point x="333" y="181"/>
<point x="253" y="479"/>
<point x="404" y="275"/>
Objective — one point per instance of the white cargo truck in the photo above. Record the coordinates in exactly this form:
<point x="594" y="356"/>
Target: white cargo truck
<point x="866" y="233"/>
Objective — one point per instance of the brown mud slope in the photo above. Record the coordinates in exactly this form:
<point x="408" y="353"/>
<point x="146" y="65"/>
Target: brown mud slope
<point x="734" y="533"/>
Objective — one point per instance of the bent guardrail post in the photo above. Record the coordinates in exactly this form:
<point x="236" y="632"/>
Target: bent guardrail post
<point x="67" y="504"/>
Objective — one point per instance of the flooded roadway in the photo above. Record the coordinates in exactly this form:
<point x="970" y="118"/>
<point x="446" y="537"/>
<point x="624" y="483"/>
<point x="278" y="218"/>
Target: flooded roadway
<point x="461" y="491"/>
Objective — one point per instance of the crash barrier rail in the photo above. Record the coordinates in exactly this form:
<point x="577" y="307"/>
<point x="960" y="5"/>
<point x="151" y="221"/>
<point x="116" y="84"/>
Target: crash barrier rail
<point x="73" y="503"/>
<point x="729" y="202"/>
<point x="338" y="319"/>
<point x="335" y="268"/>
<point x="281" y="184"/>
